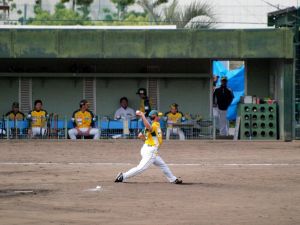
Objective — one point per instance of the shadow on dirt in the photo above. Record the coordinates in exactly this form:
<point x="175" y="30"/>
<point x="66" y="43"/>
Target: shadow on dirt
<point x="4" y="193"/>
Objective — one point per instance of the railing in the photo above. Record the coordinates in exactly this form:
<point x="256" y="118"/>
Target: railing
<point x="58" y="129"/>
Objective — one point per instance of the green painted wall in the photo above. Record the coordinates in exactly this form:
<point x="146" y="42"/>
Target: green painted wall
<point x="109" y="92"/>
<point x="288" y="101"/>
<point x="95" y="43"/>
<point x="192" y="95"/>
<point x="59" y="95"/>
<point x="258" y="78"/>
<point x="9" y="89"/>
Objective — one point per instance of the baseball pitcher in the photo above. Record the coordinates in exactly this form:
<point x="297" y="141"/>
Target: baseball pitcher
<point x="153" y="139"/>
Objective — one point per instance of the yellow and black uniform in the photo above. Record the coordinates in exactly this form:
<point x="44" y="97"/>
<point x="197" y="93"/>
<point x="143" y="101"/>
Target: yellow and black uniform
<point x="38" y="118"/>
<point x="154" y="138"/>
<point x="145" y="105"/>
<point x="83" y="119"/>
<point x="15" y="116"/>
<point x="173" y="118"/>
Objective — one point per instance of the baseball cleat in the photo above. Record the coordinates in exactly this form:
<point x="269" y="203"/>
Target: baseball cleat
<point x="177" y="181"/>
<point x="119" y="178"/>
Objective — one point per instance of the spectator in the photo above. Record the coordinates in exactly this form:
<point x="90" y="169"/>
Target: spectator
<point x="145" y="104"/>
<point x="37" y="120"/>
<point x="124" y="111"/>
<point x="222" y="98"/>
<point x="174" y="116"/>
<point x="15" y="114"/>
<point x="84" y="122"/>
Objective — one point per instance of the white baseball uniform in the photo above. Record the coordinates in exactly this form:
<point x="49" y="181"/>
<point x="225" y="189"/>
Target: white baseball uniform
<point x="149" y="153"/>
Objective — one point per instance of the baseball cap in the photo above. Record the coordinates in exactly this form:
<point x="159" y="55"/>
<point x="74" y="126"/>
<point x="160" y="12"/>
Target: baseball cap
<point x="83" y="102"/>
<point x="15" y="105"/>
<point x="141" y="91"/>
<point x="153" y="112"/>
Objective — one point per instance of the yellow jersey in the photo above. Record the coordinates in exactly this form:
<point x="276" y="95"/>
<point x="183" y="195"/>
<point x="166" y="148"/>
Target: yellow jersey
<point x="173" y="118"/>
<point x="154" y="138"/>
<point x="83" y="119"/>
<point x="15" y="116"/>
<point x="38" y="118"/>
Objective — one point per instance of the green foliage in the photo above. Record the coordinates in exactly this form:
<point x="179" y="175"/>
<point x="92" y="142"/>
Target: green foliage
<point x="195" y="15"/>
<point x="61" y="16"/>
<point x="159" y="2"/>
<point x="109" y="15"/>
<point x="79" y="2"/>
<point x="122" y="5"/>
<point x="83" y="6"/>
<point x="189" y="15"/>
<point x="131" y="19"/>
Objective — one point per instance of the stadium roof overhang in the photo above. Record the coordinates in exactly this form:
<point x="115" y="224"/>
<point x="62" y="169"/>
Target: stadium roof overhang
<point x="92" y="43"/>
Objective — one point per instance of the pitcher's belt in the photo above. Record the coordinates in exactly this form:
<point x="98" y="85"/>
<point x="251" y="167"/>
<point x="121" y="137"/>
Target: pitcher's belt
<point x="152" y="145"/>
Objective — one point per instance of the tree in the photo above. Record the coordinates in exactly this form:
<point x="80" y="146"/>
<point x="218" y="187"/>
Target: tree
<point x="130" y="18"/>
<point x="122" y="6"/>
<point x="81" y="5"/>
<point x="195" y="15"/>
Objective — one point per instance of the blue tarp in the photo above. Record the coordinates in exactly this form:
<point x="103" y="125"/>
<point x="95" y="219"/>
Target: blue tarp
<point x="235" y="83"/>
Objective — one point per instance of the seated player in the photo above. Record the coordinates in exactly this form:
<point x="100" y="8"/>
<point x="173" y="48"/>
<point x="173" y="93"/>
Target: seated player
<point x="174" y="116"/>
<point x="15" y="115"/>
<point x="124" y="112"/>
<point x="83" y="121"/>
<point x="37" y="120"/>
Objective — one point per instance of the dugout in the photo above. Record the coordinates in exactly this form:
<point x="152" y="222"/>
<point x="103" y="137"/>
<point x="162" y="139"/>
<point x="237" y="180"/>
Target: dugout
<point x="63" y="65"/>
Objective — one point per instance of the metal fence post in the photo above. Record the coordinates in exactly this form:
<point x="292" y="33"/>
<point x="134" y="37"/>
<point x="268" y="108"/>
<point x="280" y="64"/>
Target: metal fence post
<point x="214" y="128"/>
<point x="66" y="127"/>
<point x="99" y="125"/>
<point x="7" y="129"/>
<point x="16" y="128"/>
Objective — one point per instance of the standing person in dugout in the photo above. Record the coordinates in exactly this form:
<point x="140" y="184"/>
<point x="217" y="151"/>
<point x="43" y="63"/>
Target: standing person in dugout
<point x="222" y="99"/>
<point x="145" y="103"/>
<point x="37" y="120"/>
<point x="84" y="122"/>
<point x="174" y="116"/>
<point x="153" y="139"/>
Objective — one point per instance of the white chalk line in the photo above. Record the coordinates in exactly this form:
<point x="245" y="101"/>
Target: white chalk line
<point x="170" y="164"/>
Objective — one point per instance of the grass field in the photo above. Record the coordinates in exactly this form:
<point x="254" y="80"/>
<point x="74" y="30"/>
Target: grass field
<point x="225" y="182"/>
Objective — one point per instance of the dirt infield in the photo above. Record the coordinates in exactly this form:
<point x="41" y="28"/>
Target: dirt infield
<point x="226" y="182"/>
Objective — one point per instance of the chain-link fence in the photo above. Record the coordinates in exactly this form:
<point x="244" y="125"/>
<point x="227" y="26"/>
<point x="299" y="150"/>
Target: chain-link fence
<point x="57" y="128"/>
